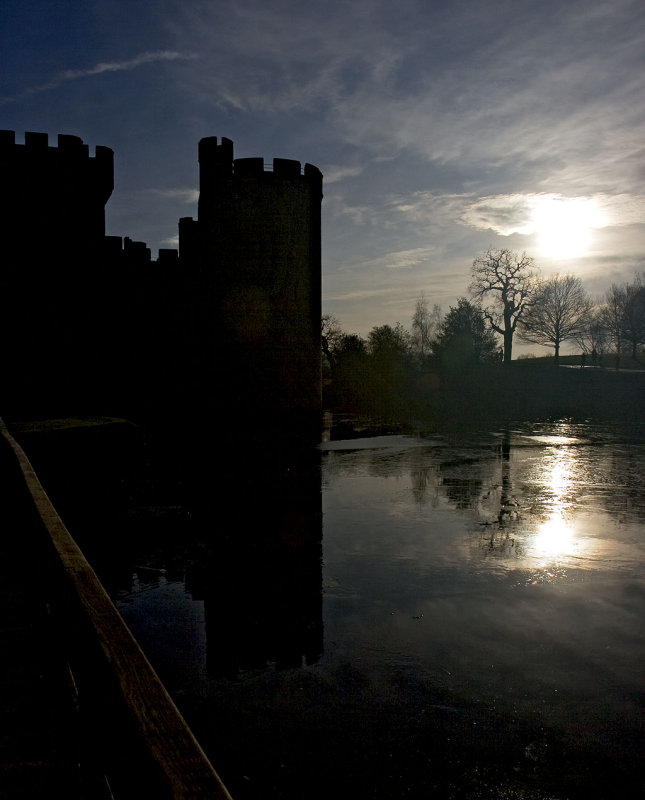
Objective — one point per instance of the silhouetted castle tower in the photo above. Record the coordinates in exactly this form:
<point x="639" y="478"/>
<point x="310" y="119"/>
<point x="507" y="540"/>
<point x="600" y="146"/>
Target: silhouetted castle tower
<point x="53" y="198"/>
<point x="232" y="326"/>
<point x="256" y="254"/>
<point x="52" y="212"/>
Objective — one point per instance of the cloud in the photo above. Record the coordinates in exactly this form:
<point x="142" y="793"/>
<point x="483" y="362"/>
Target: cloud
<point x="430" y="208"/>
<point x="367" y="293"/>
<point x="621" y="209"/>
<point x="286" y="56"/>
<point x="404" y="259"/>
<point x="546" y="94"/>
<point x="516" y="213"/>
<point x="339" y="208"/>
<point x="183" y="195"/>
<point x="504" y="214"/>
<point x="572" y="116"/>
<point x="120" y="66"/>
<point x="101" y="68"/>
<point x="394" y="260"/>
<point x="336" y="173"/>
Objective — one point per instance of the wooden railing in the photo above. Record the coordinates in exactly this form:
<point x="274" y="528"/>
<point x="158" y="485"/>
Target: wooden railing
<point x="131" y="734"/>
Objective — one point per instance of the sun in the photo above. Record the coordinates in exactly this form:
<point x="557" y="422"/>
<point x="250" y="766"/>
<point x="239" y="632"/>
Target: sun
<point x="563" y="224"/>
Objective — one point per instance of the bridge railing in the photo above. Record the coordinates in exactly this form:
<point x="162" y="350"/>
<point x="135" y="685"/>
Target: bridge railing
<point x="130" y="730"/>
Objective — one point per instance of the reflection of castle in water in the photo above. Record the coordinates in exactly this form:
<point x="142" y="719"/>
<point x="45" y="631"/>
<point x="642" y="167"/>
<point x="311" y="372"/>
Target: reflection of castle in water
<point x="261" y="581"/>
<point x="215" y="347"/>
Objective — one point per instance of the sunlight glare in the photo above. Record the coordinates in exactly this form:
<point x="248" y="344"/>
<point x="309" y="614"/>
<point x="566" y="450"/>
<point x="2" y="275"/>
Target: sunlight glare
<point x="563" y="225"/>
<point x="554" y="537"/>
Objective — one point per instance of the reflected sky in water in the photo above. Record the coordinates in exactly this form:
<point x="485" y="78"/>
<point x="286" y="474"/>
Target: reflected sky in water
<point x="482" y="602"/>
<point x="517" y="501"/>
<point x="507" y="569"/>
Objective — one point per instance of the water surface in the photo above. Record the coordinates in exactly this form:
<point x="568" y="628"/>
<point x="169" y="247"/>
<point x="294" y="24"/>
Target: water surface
<point x="464" y="619"/>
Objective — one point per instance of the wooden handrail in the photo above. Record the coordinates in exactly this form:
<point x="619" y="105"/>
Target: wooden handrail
<point x="180" y="766"/>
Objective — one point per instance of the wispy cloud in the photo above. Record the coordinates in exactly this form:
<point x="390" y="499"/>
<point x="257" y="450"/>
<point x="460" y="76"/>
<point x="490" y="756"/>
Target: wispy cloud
<point x="429" y="208"/>
<point x="516" y="213"/>
<point x="572" y="116"/>
<point x="622" y="209"/>
<point x="394" y="260"/>
<point x="339" y="208"/>
<point x="406" y="259"/>
<point x="101" y="68"/>
<point x="334" y="174"/>
<point x="503" y="214"/>
<point x="286" y="56"/>
<point x="182" y="195"/>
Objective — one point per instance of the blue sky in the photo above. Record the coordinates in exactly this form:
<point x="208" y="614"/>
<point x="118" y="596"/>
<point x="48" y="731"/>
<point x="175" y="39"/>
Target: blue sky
<point x="442" y="127"/>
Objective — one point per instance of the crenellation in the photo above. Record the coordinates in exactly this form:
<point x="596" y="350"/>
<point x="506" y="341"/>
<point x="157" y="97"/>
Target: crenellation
<point x="168" y="256"/>
<point x="286" y="168"/>
<point x="239" y="299"/>
<point x="248" y="167"/>
<point x="7" y="139"/>
<point x="313" y="172"/>
<point x="67" y="145"/>
<point x="36" y="140"/>
<point x="212" y="155"/>
<point x="71" y="144"/>
<point x="104" y="154"/>
<point x="136" y="252"/>
<point x="258" y="258"/>
<point x="52" y="194"/>
<point x="188" y="240"/>
<point x="117" y="249"/>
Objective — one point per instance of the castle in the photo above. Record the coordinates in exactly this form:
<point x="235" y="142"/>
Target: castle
<point x="228" y="325"/>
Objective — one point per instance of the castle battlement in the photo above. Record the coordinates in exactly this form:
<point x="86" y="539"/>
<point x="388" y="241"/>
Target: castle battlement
<point x="45" y="187"/>
<point x="280" y="167"/>
<point x="216" y="160"/>
<point x="69" y="147"/>
<point x="238" y="306"/>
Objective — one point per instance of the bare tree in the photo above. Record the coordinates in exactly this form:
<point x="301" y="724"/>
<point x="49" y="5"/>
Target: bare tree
<point x="633" y="321"/>
<point x="507" y="281"/>
<point x="611" y="315"/>
<point x="560" y="310"/>
<point x="424" y="325"/>
<point x="330" y="336"/>
<point x="594" y="335"/>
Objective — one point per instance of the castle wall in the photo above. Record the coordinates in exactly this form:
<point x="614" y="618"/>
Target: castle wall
<point x="258" y="235"/>
<point x="230" y="325"/>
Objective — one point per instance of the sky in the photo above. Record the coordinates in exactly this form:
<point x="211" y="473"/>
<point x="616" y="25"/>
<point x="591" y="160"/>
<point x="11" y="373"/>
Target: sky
<point x="442" y="127"/>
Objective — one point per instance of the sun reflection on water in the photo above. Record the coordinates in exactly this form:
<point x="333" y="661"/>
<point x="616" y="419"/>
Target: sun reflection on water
<point x="554" y="536"/>
<point x="555" y="540"/>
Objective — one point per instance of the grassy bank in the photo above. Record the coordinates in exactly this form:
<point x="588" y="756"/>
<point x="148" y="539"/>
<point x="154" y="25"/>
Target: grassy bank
<point x="538" y="389"/>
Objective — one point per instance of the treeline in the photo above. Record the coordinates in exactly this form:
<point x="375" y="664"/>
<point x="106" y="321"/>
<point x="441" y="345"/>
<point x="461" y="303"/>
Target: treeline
<point x="459" y="362"/>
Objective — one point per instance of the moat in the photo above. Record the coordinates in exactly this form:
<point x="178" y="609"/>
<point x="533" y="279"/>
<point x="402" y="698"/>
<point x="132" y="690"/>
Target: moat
<point x="450" y="617"/>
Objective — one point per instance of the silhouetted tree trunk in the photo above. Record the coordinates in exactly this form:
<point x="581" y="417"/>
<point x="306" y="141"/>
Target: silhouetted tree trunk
<point x="507" y="281"/>
<point x="330" y="337"/>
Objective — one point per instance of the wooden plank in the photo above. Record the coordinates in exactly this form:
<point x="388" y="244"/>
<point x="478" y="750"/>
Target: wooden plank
<point x="182" y="766"/>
